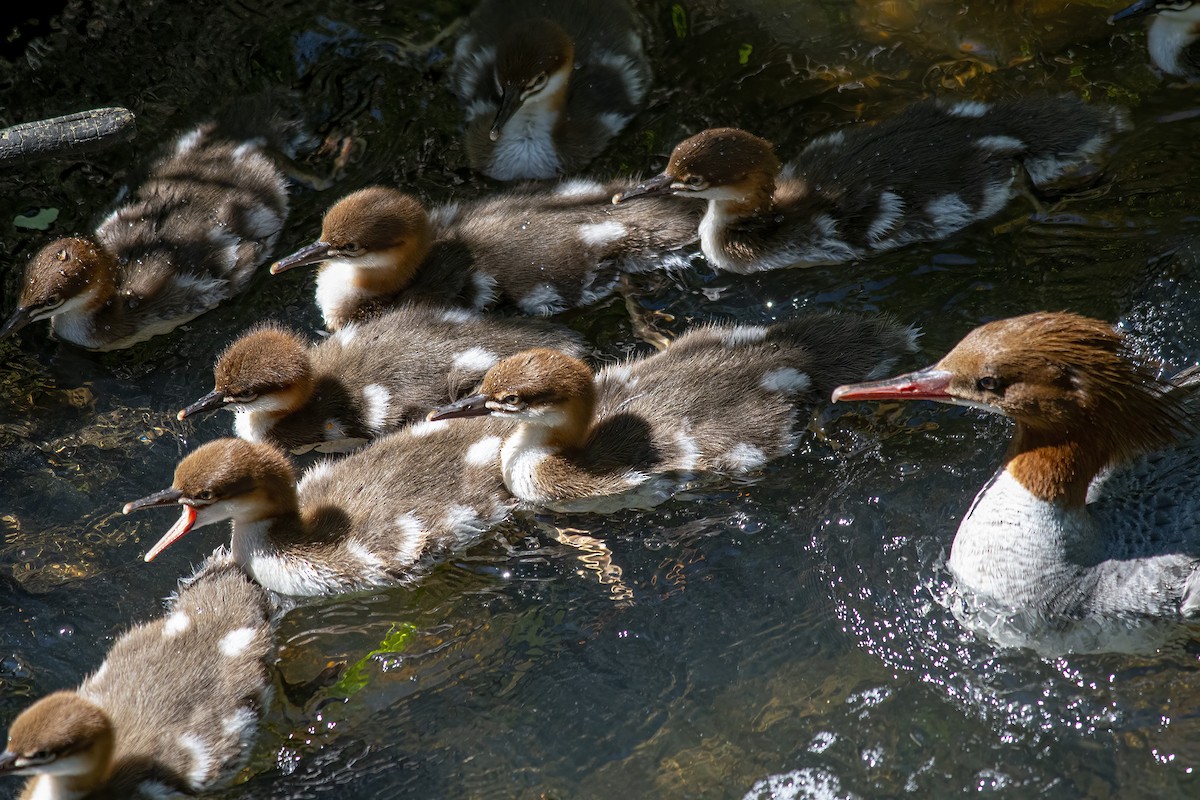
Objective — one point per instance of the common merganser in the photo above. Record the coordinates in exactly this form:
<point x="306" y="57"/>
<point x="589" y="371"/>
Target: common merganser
<point x="1094" y="511"/>
<point x="546" y="250"/>
<point x="172" y="710"/>
<point x="374" y="518"/>
<point x="367" y="379"/>
<point x="547" y="83"/>
<point x="1174" y="34"/>
<point x="721" y="398"/>
<point x="208" y="214"/>
<point x="922" y="175"/>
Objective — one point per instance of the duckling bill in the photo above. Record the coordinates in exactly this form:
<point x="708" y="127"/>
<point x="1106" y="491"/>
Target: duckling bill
<point x="209" y="213"/>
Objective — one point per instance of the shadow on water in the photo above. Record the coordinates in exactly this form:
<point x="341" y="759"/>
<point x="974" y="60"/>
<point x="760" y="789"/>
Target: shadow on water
<point x="781" y="637"/>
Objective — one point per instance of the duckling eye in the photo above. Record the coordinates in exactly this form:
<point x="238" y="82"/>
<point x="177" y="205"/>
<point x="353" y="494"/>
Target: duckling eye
<point x="40" y="755"/>
<point x="205" y="495"/>
<point x="988" y="384"/>
<point x="54" y="300"/>
<point x="350" y="247"/>
<point x="694" y="180"/>
<point x="510" y="399"/>
<point x="63" y="255"/>
<point x="244" y="397"/>
<point x="537" y="83"/>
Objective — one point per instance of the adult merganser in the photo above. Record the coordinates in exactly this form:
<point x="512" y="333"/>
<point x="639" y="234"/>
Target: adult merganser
<point x="547" y="83"/>
<point x="374" y="518"/>
<point x="1174" y="35"/>
<point x="209" y="213"/>
<point x="544" y="250"/>
<point x="920" y="176"/>
<point x="368" y="378"/>
<point x="721" y="398"/>
<point x="1094" y="510"/>
<point x="172" y="710"/>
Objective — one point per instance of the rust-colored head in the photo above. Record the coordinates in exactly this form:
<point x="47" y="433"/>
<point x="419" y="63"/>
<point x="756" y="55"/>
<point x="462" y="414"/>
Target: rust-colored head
<point x="225" y="479"/>
<point x="64" y="275"/>
<point x="267" y="369"/>
<point x="716" y="164"/>
<point x="61" y="734"/>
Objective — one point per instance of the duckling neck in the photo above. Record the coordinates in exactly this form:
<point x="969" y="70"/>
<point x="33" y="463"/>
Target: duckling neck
<point x="63" y="787"/>
<point x="539" y="461"/>
<point x="526" y="147"/>
<point x="266" y="536"/>
<point x="346" y="287"/>
<point x="717" y="236"/>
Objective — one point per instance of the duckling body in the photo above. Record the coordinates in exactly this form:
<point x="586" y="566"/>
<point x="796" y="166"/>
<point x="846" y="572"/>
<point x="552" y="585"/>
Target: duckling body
<point x="191" y="237"/>
<point x="547" y="83"/>
<point x="172" y="710"/>
<point x="1093" y="512"/>
<point x="922" y="175"/>
<point x="719" y="399"/>
<point x="367" y="379"/>
<point x="375" y="518"/>
<point x="1173" y="37"/>
<point x="542" y="250"/>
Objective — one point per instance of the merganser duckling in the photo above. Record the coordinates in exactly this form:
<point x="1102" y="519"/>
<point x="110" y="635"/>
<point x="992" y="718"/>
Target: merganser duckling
<point x="1094" y="511"/>
<point x="1174" y="34"/>
<point x="368" y="378"/>
<point x="172" y="710"/>
<point x="209" y="213"/>
<point x="544" y="250"/>
<point x="920" y="176"/>
<point x="721" y="398"/>
<point x="374" y="518"/>
<point x="547" y="83"/>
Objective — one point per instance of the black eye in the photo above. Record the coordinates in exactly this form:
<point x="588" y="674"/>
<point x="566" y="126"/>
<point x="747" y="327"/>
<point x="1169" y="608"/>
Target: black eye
<point x="350" y="247"/>
<point x="988" y="384"/>
<point x="54" y="300"/>
<point x="40" y="755"/>
<point x="694" y="180"/>
<point x="244" y="397"/>
<point x="537" y="83"/>
<point x="205" y="495"/>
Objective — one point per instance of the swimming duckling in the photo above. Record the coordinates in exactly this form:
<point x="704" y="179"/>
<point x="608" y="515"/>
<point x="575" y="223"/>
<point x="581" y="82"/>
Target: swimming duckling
<point x="1094" y="510"/>
<point x="721" y="398"/>
<point x="172" y="710"/>
<point x="367" y="379"/>
<point x="375" y="518"/>
<point x="544" y="250"/>
<point x="920" y="176"/>
<point x="207" y="216"/>
<point x="1174" y="35"/>
<point x="547" y="83"/>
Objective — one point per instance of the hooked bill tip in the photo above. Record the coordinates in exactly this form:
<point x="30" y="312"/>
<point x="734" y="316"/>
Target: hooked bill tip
<point x="182" y="415"/>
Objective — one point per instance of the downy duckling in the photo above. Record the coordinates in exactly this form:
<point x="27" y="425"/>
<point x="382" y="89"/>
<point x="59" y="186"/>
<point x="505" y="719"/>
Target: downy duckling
<point x="1094" y="510"/>
<point x="721" y="398"/>
<point x="196" y="229"/>
<point x="547" y="83"/>
<point x="922" y="175"/>
<point x="543" y="250"/>
<point x="367" y="379"/>
<point x="1174" y="34"/>
<point x="375" y="518"/>
<point x="172" y="710"/>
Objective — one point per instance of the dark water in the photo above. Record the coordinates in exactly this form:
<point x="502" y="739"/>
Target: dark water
<point x="781" y="638"/>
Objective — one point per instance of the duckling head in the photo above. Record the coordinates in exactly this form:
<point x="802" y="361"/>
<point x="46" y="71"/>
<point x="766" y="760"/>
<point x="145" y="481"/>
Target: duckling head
<point x="65" y="275"/>
<point x="534" y="59"/>
<point x="716" y="164"/>
<point x="1179" y="10"/>
<point x="267" y="370"/>
<point x="224" y="479"/>
<point x="61" y="735"/>
<point x="542" y="387"/>
<point x="374" y="229"/>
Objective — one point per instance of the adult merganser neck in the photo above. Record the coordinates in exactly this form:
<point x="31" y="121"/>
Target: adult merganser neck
<point x="720" y="399"/>
<point x="138" y="726"/>
<point x="922" y="175"/>
<point x="543" y="250"/>
<point x="367" y="379"/>
<point x="546" y="85"/>
<point x="374" y="518"/>
<point x="207" y="216"/>
<point x="1092" y="511"/>
<point x="1174" y="35"/>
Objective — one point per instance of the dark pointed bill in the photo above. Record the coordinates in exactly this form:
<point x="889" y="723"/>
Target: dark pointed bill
<point x="314" y="253"/>
<point x="925" y="384"/>
<point x="167" y="497"/>
<point x="510" y="101"/>
<point x="473" y="406"/>
<point x="210" y="402"/>
<point x="656" y="185"/>
<point x="1136" y="10"/>
<point x="19" y="319"/>
<point x="8" y="762"/>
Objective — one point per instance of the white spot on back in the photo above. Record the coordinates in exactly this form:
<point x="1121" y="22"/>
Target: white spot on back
<point x="202" y="760"/>
<point x="475" y="359"/>
<point x="599" y="234"/>
<point x="485" y="289"/>
<point x="743" y="457"/>
<point x="346" y="334"/>
<point x="484" y="452"/>
<point x="578" y="187"/>
<point x="427" y="428"/>
<point x="948" y="213"/>
<point x="689" y="450"/>
<point x="543" y="300"/>
<point x="744" y="334"/>
<point x="786" y="380"/>
<point x="234" y="642"/>
<point x="175" y="624"/>
<point x="968" y="108"/>
<point x="464" y="523"/>
<point x="412" y="538"/>
<point x="458" y="316"/>
<point x="891" y="209"/>
<point x="1000" y="144"/>
<point x="376" y="398"/>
